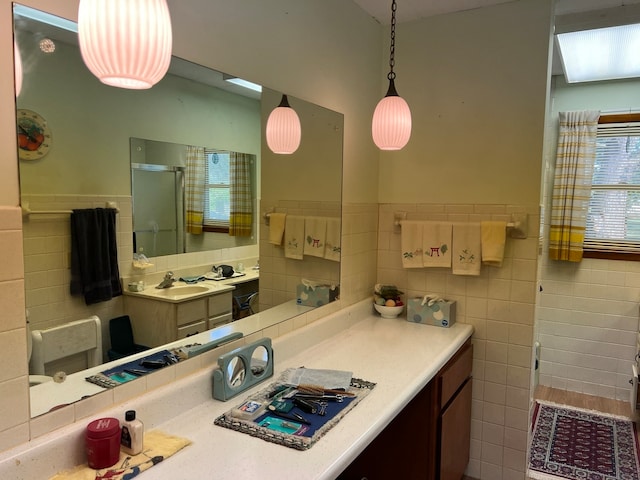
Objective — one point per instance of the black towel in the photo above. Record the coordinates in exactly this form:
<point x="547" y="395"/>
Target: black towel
<point x="94" y="255"/>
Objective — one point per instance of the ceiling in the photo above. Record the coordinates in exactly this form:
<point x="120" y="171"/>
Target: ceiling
<point x="408" y="10"/>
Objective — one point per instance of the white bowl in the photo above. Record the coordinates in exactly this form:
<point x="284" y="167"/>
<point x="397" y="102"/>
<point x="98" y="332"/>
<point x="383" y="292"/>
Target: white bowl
<point x="388" y="312"/>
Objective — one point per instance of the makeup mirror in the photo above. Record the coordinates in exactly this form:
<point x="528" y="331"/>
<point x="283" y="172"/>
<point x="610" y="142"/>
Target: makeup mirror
<point x="233" y="378"/>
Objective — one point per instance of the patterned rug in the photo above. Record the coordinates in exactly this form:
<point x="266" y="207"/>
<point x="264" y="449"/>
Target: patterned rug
<point x="580" y="444"/>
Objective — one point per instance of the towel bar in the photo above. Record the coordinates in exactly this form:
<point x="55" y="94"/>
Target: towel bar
<point x="26" y="211"/>
<point x="516" y="228"/>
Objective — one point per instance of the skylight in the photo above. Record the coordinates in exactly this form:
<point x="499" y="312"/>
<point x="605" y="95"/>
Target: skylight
<point x="601" y="54"/>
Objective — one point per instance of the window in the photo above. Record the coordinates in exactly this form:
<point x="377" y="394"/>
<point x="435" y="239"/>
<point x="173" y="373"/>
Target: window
<point x="613" y="218"/>
<point x="217" y="204"/>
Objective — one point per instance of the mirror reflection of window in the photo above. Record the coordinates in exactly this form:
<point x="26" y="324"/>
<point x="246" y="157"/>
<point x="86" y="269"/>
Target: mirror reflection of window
<point x="217" y="205"/>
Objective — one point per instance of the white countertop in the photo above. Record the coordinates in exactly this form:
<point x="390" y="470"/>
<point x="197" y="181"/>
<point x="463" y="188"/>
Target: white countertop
<point x="400" y="356"/>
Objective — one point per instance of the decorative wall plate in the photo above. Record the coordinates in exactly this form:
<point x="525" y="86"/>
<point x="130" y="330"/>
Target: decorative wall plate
<point x="34" y="135"/>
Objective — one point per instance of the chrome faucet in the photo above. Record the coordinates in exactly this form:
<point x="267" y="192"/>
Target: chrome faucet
<point x="167" y="281"/>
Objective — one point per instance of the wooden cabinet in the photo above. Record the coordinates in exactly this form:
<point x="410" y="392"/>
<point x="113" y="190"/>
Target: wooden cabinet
<point x="429" y="439"/>
<point x="454" y="416"/>
<point x="156" y="323"/>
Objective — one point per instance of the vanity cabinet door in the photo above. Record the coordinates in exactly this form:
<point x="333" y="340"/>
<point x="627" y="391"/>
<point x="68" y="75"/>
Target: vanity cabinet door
<point x="454" y="423"/>
<point x="404" y="449"/>
<point x="455" y="434"/>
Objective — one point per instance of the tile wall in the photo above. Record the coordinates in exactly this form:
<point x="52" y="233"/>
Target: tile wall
<point x="14" y="390"/>
<point x="500" y="305"/>
<point x="586" y="324"/>
<point x="279" y="275"/>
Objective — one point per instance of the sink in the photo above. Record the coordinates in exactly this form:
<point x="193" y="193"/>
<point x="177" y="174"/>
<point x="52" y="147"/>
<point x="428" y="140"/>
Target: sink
<point x="180" y="291"/>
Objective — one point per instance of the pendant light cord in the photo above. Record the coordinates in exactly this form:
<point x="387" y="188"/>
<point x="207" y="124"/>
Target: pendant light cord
<point x="392" y="48"/>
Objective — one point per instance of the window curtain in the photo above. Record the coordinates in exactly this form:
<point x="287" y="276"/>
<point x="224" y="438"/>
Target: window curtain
<point x="241" y="210"/>
<point x="572" y="184"/>
<point x="194" y="189"/>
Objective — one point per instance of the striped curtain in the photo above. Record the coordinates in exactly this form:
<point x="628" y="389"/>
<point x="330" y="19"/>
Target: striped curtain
<point x="572" y="184"/>
<point x="194" y="189"/>
<point x="241" y="210"/>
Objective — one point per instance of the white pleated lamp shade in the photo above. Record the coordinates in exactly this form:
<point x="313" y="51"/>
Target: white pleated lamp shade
<point x="391" y="125"/>
<point x="125" y="43"/>
<point x="18" y="68"/>
<point x="283" y="130"/>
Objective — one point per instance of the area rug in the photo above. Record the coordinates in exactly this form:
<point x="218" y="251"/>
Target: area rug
<point x="578" y="444"/>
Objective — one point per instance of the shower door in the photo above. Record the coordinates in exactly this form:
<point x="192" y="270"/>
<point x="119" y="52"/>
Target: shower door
<point x="158" y="206"/>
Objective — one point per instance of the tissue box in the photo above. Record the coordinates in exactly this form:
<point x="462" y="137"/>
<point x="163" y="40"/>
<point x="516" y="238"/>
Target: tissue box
<point x="317" y="296"/>
<point x="441" y="313"/>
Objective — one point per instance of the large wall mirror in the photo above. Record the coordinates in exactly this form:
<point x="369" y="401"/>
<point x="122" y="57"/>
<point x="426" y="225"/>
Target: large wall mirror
<point x="97" y="138"/>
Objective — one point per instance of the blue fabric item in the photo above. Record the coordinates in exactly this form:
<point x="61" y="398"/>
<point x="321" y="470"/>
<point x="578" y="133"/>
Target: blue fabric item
<point x="192" y="279"/>
<point x="94" y="255"/>
<point x="121" y="375"/>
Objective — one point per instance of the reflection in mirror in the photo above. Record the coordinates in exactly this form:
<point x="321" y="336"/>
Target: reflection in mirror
<point x="259" y="360"/>
<point x="88" y="165"/>
<point x="235" y="372"/>
<point x="159" y="189"/>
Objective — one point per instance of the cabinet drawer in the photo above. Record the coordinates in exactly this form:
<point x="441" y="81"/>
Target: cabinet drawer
<point x="220" y="320"/>
<point x="189" y="312"/>
<point x="455" y="373"/>
<point x="219" y="304"/>
<point x="192" y="329"/>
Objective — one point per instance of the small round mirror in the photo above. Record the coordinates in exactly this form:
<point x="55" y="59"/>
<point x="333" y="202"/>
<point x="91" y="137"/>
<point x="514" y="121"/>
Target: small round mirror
<point x="236" y="372"/>
<point x="259" y="360"/>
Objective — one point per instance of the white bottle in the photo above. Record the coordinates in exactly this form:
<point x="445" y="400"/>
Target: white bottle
<point x="131" y="434"/>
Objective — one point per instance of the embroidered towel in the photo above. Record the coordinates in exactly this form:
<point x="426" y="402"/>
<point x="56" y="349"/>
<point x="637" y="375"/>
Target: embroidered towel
<point x="294" y="237"/>
<point x="436" y="244"/>
<point x="494" y="234"/>
<point x="158" y="446"/>
<point x="332" y="245"/>
<point x="315" y="236"/>
<point x="276" y="227"/>
<point x="411" y="243"/>
<point x="466" y="254"/>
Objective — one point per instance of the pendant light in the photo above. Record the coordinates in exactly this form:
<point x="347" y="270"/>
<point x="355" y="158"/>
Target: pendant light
<point x="125" y="43"/>
<point x="283" y="128"/>
<point x="391" y="126"/>
<point x="18" y="68"/>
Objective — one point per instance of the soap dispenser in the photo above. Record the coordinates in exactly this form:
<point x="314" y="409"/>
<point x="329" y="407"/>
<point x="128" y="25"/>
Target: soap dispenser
<point x="131" y="434"/>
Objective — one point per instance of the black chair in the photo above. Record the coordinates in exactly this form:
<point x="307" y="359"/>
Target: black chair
<point x="122" y="343"/>
<point x="243" y="305"/>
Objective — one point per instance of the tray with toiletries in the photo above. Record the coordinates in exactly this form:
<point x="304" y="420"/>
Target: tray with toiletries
<point x="214" y="276"/>
<point x="295" y="412"/>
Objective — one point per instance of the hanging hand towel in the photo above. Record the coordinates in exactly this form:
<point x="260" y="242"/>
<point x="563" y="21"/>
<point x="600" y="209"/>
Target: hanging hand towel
<point x="315" y="236"/>
<point x="466" y="249"/>
<point x="276" y="227"/>
<point x="494" y="235"/>
<point x="294" y="237"/>
<point x="94" y="255"/>
<point x="436" y="244"/>
<point x="411" y="243"/>
<point x="332" y="249"/>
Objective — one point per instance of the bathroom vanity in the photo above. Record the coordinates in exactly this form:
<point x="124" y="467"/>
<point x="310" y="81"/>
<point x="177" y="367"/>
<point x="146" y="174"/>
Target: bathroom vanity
<point x="163" y="315"/>
<point x="417" y="415"/>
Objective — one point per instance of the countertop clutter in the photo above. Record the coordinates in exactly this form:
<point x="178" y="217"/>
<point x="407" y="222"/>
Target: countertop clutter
<point x="400" y="357"/>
